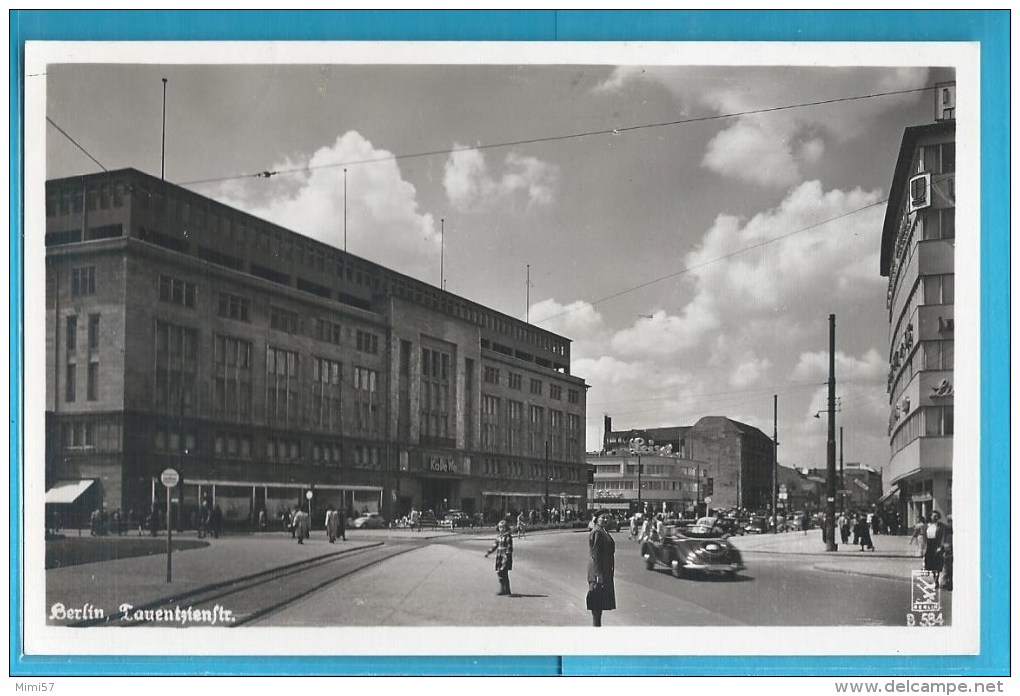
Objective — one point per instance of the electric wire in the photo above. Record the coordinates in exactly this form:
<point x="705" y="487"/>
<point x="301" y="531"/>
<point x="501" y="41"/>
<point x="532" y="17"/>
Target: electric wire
<point x="553" y="138"/>
<point x="76" y="144"/>
<point x="708" y="262"/>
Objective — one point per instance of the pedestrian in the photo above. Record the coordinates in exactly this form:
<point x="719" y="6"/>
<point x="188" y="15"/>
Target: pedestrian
<point x="216" y="521"/>
<point x="877" y="525"/>
<point x="341" y="524"/>
<point x="415" y="520"/>
<point x="601" y="567"/>
<point x="263" y="522"/>
<point x="862" y="534"/>
<point x="805" y="522"/>
<point x="934" y="547"/>
<point x="917" y="536"/>
<point x="947" y="546"/>
<point x="331" y="524"/>
<point x="288" y="522"/>
<point x="635" y="521"/>
<point x="504" y="548"/>
<point x="844" y="528"/>
<point x="520" y="524"/>
<point x="300" y="522"/>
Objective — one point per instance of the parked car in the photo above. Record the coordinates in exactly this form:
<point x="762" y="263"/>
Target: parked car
<point x="370" y="520"/>
<point x="696" y="548"/>
<point x="456" y="518"/>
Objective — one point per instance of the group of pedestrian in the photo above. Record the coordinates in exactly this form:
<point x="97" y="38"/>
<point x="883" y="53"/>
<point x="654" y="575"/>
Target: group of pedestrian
<point x="335" y="525"/>
<point x="601" y="595"/>
<point x="210" y="520"/>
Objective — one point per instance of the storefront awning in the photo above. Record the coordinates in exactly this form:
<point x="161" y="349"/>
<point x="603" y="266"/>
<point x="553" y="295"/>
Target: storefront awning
<point x="519" y="494"/>
<point x="65" y="492"/>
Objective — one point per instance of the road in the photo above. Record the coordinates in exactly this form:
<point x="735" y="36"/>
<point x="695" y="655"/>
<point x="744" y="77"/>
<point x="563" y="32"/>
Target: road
<point x="449" y="582"/>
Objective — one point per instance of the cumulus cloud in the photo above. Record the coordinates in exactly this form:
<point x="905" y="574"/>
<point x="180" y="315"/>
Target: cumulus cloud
<point x="384" y="222"/>
<point x="814" y="365"/>
<point x="579" y="321"/>
<point x="470" y="186"/>
<point x="621" y="75"/>
<point x="662" y="335"/>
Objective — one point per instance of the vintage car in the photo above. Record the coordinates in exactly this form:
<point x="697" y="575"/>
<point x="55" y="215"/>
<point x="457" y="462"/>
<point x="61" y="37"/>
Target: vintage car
<point x="694" y="548"/>
<point x="370" y="520"/>
<point x="456" y="518"/>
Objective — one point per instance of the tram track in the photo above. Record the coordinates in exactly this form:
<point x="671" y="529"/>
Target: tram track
<point x="239" y="601"/>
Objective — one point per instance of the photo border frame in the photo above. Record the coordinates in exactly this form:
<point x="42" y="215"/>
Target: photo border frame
<point x="989" y="28"/>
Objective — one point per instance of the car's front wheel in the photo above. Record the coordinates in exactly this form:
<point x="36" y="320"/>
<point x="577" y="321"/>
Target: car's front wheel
<point x="677" y="568"/>
<point x="649" y="558"/>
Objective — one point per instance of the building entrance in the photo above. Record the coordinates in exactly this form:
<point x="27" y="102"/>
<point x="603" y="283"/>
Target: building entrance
<point x="439" y="495"/>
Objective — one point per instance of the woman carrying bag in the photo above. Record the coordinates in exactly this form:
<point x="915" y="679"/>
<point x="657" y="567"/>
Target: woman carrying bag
<point x="601" y="566"/>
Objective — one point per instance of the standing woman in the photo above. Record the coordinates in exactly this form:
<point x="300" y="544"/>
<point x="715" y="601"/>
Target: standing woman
<point x="934" y="552"/>
<point x="504" y="548"/>
<point x="601" y="566"/>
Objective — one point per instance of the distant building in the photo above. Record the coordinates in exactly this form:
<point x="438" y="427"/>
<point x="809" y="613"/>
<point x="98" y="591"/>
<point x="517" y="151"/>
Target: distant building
<point x="667" y="482"/>
<point x="917" y="257"/>
<point x="863" y="486"/>
<point x="264" y="365"/>
<point x="736" y="457"/>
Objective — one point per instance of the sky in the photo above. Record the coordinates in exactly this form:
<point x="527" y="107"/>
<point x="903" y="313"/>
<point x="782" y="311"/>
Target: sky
<point x="692" y="255"/>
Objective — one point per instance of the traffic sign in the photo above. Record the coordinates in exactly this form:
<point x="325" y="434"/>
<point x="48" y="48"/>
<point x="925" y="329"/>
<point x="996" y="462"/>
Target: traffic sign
<point x="309" y="495"/>
<point x="170" y="477"/>
<point x="708" y="499"/>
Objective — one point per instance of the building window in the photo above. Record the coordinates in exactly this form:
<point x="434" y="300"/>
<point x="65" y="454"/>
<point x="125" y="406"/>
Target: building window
<point x="92" y="386"/>
<point x="555" y="392"/>
<point x="69" y="386"/>
<point x="490" y="422"/>
<point x="327" y="376"/>
<point x="490" y="375"/>
<point x="365" y="379"/>
<point x="176" y="366"/>
<point x="536" y="387"/>
<point x="72" y="333"/>
<point x="83" y="281"/>
<point x="938" y="420"/>
<point x="514" y="380"/>
<point x="939" y="289"/>
<point x="93" y="332"/>
<point x="284" y="320"/>
<point x="328" y="331"/>
<point x="572" y="396"/>
<point x="436" y="404"/>
<point x="234" y="307"/>
<point x="282" y="401"/>
<point x="232" y="378"/>
<point x="176" y="291"/>
<point x="367" y="342"/>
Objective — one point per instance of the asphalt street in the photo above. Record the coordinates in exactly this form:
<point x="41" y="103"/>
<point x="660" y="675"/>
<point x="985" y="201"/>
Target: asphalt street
<point x="448" y="582"/>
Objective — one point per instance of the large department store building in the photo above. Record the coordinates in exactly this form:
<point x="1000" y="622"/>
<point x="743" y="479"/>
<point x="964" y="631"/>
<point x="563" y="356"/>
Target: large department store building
<point x="262" y="365"/>
<point x="918" y="259"/>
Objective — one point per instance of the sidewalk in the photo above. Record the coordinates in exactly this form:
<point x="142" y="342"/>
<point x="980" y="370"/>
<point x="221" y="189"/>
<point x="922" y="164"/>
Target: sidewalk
<point x="893" y="556"/>
<point x="140" y="580"/>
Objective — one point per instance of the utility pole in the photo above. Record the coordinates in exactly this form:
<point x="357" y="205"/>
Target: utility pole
<point x="162" y="153"/>
<point x="842" y="481"/>
<point x="345" y="211"/>
<point x="830" y="445"/>
<point x="775" y="462"/>
<point x="640" y="506"/>
<point x="442" y="246"/>
<point x="527" y="296"/>
<point x="545" y="511"/>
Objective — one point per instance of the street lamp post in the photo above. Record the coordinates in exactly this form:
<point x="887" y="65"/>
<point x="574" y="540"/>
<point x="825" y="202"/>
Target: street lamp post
<point x="545" y="504"/>
<point x="830" y="445"/>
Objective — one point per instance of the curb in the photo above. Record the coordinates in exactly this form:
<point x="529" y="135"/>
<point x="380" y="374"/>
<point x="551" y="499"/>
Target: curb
<point x="823" y="554"/>
<point x="845" y="571"/>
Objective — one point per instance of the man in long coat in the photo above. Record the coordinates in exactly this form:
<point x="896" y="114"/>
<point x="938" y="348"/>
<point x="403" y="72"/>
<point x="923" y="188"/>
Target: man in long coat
<point x="332" y="523"/>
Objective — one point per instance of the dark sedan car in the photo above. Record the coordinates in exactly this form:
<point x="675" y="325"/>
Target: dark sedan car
<point x="695" y="548"/>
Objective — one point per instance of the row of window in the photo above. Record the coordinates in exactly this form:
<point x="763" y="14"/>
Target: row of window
<point x="517" y="469"/>
<point x="928" y="421"/>
<point x="91" y="382"/>
<point x="649" y="485"/>
<point x="491" y="375"/>
<point x="103" y="197"/>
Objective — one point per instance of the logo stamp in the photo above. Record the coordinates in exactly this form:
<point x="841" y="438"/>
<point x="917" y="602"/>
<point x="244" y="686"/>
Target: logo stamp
<point x="924" y="591"/>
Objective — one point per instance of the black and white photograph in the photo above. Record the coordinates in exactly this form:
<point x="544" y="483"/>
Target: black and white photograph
<point x="491" y="348"/>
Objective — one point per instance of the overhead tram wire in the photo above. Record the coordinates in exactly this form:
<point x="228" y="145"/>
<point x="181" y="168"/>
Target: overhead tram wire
<point x="554" y="138"/>
<point x="76" y="143"/>
<point x="709" y="262"/>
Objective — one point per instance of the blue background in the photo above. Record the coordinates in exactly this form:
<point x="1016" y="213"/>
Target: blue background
<point x="990" y="28"/>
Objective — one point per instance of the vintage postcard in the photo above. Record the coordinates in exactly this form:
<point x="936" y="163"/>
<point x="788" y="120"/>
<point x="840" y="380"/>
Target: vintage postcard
<point x="501" y="349"/>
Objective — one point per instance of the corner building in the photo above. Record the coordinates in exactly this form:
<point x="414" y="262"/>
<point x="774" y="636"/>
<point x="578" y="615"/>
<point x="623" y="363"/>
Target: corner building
<point x="918" y="259"/>
<point x="263" y="365"/>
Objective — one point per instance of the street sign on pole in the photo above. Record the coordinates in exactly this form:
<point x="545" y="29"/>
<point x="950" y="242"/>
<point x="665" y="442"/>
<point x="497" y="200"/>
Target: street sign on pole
<point x="169" y="478"/>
